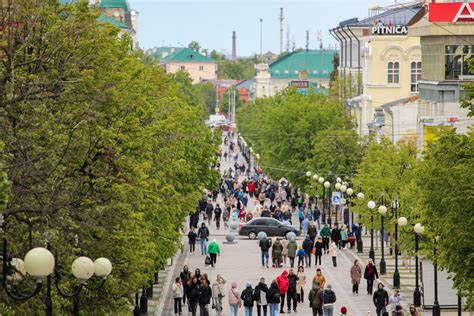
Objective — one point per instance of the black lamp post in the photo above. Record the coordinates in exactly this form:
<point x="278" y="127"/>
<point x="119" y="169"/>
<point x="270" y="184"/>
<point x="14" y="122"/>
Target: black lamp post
<point x="436" y="307"/>
<point x="371" y="206"/>
<point x="402" y="222"/>
<point x="328" y="204"/>
<point x="360" y="244"/>
<point x="382" y="212"/>
<point x="39" y="264"/>
<point x="416" y="294"/>
<point x="338" y="187"/>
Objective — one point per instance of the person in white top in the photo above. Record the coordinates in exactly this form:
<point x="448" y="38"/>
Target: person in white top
<point x="177" y="295"/>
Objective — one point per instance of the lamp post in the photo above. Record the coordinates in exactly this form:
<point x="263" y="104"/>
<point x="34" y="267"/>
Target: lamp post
<point x="416" y="294"/>
<point x="382" y="212"/>
<point x="360" y="243"/>
<point x="371" y="206"/>
<point x="39" y="264"/>
<point x="436" y="307"/>
<point x="338" y="187"/>
<point x="402" y="222"/>
<point x="343" y="191"/>
<point x="321" y="181"/>
<point x="350" y="192"/>
<point x="328" y="205"/>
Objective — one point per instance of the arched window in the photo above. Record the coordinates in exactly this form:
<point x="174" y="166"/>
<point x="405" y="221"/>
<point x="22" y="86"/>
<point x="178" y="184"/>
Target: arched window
<point x="415" y="75"/>
<point x="393" y="72"/>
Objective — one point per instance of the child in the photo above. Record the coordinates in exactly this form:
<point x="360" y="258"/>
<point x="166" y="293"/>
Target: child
<point x="333" y="252"/>
<point x="301" y="254"/>
<point x="343" y="311"/>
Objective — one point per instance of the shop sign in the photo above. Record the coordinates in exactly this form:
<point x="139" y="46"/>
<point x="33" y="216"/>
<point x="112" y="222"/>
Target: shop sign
<point x="451" y="12"/>
<point x="300" y="84"/>
<point x="390" y="30"/>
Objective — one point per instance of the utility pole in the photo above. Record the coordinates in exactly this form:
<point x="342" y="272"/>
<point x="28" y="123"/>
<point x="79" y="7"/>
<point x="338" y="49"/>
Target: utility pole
<point x="288" y="38"/>
<point x="307" y="40"/>
<point x="281" y="30"/>
<point x="261" y="37"/>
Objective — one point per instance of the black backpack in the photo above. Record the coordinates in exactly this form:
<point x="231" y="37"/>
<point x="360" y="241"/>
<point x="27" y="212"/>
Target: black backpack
<point x="329" y="296"/>
<point x="248" y="298"/>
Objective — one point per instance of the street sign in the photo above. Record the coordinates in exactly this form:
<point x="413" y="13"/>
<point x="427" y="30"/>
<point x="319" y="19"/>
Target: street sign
<point x="343" y="201"/>
<point x="336" y="198"/>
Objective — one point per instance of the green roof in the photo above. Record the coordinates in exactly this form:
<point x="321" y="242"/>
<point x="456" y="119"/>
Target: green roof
<point x="107" y="19"/>
<point x="180" y="54"/>
<point x="317" y="64"/>
<point x="114" y="4"/>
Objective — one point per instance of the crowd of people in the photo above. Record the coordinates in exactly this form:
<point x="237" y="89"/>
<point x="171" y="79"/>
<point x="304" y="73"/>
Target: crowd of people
<point x="278" y="199"/>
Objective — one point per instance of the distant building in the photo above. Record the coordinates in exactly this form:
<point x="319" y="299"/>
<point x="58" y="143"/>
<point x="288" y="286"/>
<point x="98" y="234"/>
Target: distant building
<point x="245" y="89"/>
<point x="302" y="69"/>
<point x="268" y="57"/>
<point x="199" y="67"/>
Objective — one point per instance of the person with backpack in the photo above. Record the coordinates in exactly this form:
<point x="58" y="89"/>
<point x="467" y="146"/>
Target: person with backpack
<point x="235" y="302"/>
<point x="274" y="298"/>
<point x="217" y="216"/>
<point x="177" y="295"/>
<point x="315" y="298"/>
<point x="247" y="298"/>
<point x="265" y="243"/>
<point x="308" y="245"/>
<point x="292" y="248"/>
<point x="282" y="281"/>
<point x="277" y="250"/>
<point x="380" y="299"/>
<point x="260" y="296"/>
<point x="329" y="298"/>
<point x="291" y="294"/>
<point x="203" y="235"/>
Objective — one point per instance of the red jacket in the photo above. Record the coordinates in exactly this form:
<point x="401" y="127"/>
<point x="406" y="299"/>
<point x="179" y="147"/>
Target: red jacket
<point x="282" y="281"/>
<point x="251" y="187"/>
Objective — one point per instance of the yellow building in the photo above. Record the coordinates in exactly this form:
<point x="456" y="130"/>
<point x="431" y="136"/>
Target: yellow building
<point x="379" y="63"/>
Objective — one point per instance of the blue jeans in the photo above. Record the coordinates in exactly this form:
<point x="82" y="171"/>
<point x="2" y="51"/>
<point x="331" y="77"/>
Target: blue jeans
<point x="264" y="256"/>
<point x="319" y="223"/>
<point x="234" y="310"/>
<point x="248" y="311"/>
<point x="327" y="309"/>
<point x="274" y="309"/>
<point x="203" y="246"/>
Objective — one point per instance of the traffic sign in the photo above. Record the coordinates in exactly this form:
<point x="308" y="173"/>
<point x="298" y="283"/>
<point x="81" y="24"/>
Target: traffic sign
<point x="336" y="198"/>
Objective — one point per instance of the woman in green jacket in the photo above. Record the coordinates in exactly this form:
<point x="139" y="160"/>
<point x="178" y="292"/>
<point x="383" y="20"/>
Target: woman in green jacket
<point x="213" y="250"/>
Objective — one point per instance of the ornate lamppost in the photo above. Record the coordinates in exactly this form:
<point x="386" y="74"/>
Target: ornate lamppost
<point x="436" y="307"/>
<point x="371" y="206"/>
<point x="382" y="211"/>
<point x="360" y="243"/>
<point x="419" y="229"/>
<point x="402" y="222"/>
<point x="328" y="204"/>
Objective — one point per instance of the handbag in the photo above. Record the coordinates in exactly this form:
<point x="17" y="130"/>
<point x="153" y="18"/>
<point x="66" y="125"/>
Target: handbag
<point x="207" y="261"/>
<point x="313" y="251"/>
<point x="213" y="306"/>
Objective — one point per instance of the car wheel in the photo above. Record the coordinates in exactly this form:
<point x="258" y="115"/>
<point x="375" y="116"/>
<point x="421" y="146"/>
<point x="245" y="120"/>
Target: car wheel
<point x="252" y="235"/>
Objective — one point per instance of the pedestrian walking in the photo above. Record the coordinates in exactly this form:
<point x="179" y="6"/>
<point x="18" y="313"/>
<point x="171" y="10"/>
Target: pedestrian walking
<point x="291" y="295"/>
<point x="274" y="298"/>
<point x="178" y="294"/>
<point x="318" y="251"/>
<point x="370" y="274"/>
<point x="319" y="278"/>
<point x="277" y="250"/>
<point x="265" y="243"/>
<point x="247" y="298"/>
<point x="217" y="216"/>
<point x="336" y="236"/>
<point x="282" y="281"/>
<point x="192" y="240"/>
<point x="209" y="211"/>
<point x="325" y="234"/>
<point x="398" y="311"/>
<point x="218" y="293"/>
<point x="205" y="294"/>
<point x="193" y="288"/>
<point x="333" y="252"/>
<point x="292" y="248"/>
<point x="235" y="301"/>
<point x="394" y="301"/>
<point x="301" y="254"/>
<point x="380" y="299"/>
<point x="184" y="276"/>
<point x="213" y="251"/>
<point x="284" y="252"/>
<point x="315" y="299"/>
<point x="260" y="296"/>
<point x="329" y="298"/>
<point x="344" y="236"/>
<point x="413" y="311"/>
<point x="356" y="275"/>
<point x="203" y="235"/>
<point x="300" y="285"/>
<point x="308" y="245"/>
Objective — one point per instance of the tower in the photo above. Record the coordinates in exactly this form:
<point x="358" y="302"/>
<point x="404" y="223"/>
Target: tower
<point x="281" y="30"/>
<point x="234" y="46"/>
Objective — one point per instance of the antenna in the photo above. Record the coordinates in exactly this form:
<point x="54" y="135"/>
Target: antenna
<point x="287" y="37"/>
<point x="294" y="44"/>
<point x="307" y="40"/>
<point x="320" y="39"/>
<point x="281" y="30"/>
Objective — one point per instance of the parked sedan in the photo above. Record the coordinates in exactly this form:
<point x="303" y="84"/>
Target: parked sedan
<point x="271" y="226"/>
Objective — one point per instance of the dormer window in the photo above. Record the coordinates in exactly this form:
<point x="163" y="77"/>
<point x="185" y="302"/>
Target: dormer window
<point x="287" y="72"/>
<point x="277" y="72"/>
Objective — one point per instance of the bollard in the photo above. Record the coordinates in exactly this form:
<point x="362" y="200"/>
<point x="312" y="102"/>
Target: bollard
<point x="136" y="310"/>
<point x="143" y="302"/>
<point x="149" y="290"/>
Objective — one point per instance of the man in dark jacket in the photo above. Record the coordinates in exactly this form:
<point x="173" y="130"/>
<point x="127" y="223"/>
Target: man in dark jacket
<point x="273" y="298"/>
<point x="247" y="296"/>
<point x="336" y="236"/>
<point x="203" y="235"/>
<point x="380" y="299"/>
<point x="312" y="231"/>
<point x="308" y="249"/>
<point x="315" y="299"/>
<point x="209" y="210"/>
<point x="260" y="297"/>
<point x="217" y="216"/>
<point x="291" y="294"/>
<point x="265" y="244"/>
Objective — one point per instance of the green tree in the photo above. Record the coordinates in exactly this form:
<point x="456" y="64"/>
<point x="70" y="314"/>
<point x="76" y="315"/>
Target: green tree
<point x="468" y="102"/>
<point x="194" y="46"/>
<point x="229" y="97"/>
<point x="208" y="93"/>
<point x="241" y="69"/>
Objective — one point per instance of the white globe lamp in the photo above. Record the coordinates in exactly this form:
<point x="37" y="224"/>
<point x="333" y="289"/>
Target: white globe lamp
<point x="102" y="267"/>
<point x="83" y="268"/>
<point x="39" y="263"/>
<point x="371" y="205"/>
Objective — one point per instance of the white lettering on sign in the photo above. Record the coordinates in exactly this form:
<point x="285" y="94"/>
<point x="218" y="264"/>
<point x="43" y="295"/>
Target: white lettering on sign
<point x="390" y="30"/>
<point x="460" y="15"/>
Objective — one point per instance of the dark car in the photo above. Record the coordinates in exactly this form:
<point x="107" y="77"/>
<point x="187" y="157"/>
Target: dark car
<point x="271" y="226"/>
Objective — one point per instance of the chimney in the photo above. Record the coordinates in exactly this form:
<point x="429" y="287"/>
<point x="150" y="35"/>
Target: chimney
<point x="234" y="46"/>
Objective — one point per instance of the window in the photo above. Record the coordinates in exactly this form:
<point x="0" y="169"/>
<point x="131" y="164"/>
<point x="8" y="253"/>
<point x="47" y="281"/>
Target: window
<point x="457" y="61"/>
<point x="415" y="75"/>
<point x="201" y="67"/>
<point x="182" y="67"/>
<point x="393" y="72"/>
<point x="273" y="223"/>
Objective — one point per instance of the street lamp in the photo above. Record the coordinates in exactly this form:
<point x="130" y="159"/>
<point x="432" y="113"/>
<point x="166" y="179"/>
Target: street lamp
<point x="328" y="205"/>
<point x="436" y="307"/>
<point x="418" y="228"/>
<point x="402" y="222"/>
<point x="337" y="186"/>
<point x="371" y="206"/>
<point x="383" y="266"/>
<point x="349" y="192"/>
<point x="315" y="177"/>
<point x="360" y="243"/>
<point x="308" y="174"/>
<point x="39" y="264"/>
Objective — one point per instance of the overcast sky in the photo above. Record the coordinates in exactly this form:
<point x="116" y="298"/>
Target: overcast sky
<point x="211" y="22"/>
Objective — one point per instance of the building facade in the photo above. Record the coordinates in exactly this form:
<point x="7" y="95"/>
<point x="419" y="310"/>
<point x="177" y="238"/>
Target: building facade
<point x="199" y="67"/>
<point x="305" y="70"/>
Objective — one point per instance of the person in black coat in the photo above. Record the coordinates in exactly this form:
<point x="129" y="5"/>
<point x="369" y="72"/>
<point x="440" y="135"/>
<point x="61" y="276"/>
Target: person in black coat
<point x="184" y="276"/>
<point x="260" y="296"/>
<point x="380" y="299"/>
<point x="192" y="240"/>
<point x="273" y="296"/>
<point x="217" y="216"/>
<point x="308" y="245"/>
<point x="204" y="295"/>
<point x="192" y="294"/>
<point x="370" y="274"/>
<point x="291" y="294"/>
<point x="247" y="297"/>
<point x="336" y="236"/>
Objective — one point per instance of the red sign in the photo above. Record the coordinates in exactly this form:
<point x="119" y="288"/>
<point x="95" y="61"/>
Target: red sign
<point x="451" y="12"/>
